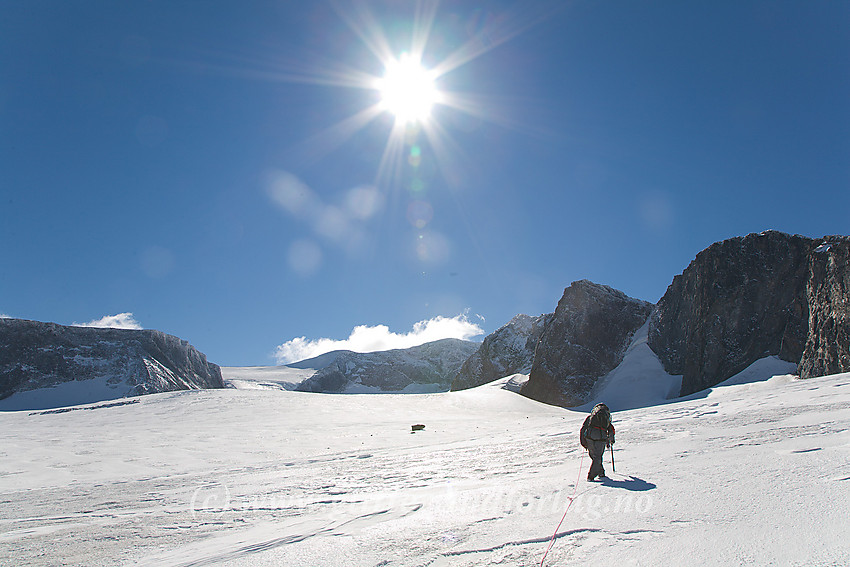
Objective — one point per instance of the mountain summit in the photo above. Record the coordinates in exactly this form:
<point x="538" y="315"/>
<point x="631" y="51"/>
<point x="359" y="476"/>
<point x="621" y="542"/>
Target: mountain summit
<point x="48" y="365"/>
<point x="739" y="301"/>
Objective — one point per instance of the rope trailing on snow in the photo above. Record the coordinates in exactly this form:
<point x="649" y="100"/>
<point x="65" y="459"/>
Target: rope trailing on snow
<point x="571" y="498"/>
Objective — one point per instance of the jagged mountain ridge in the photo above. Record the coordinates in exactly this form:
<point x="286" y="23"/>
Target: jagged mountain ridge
<point x="427" y="367"/>
<point x="508" y="350"/>
<point x="121" y="362"/>
<point x="564" y="352"/>
<point x="739" y="301"/>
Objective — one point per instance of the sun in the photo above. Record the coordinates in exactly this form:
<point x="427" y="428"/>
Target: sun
<point x="407" y="89"/>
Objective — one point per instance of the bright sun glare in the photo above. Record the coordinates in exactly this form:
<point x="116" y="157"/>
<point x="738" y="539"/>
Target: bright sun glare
<point x="407" y="90"/>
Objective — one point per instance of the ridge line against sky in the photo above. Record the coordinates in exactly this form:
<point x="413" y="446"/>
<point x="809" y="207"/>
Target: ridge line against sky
<point x="362" y="338"/>
<point x="233" y="177"/>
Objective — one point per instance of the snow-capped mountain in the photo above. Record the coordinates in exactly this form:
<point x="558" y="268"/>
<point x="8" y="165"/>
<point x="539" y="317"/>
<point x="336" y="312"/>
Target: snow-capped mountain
<point x="281" y="377"/>
<point x="46" y="365"/>
<point x="508" y="350"/>
<point x="425" y="368"/>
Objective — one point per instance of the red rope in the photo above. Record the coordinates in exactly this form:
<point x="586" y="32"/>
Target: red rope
<point x="573" y="497"/>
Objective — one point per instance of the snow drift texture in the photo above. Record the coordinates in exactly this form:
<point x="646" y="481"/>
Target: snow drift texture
<point x="36" y="355"/>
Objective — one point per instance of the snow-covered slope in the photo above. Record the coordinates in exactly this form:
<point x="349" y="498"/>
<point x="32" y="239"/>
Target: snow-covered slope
<point x="426" y="368"/>
<point x="756" y="473"/>
<point x="640" y="380"/>
<point x="44" y="365"/>
<point x="265" y="377"/>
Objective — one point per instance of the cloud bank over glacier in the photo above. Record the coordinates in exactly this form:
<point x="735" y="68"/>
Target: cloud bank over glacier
<point x="364" y="338"/>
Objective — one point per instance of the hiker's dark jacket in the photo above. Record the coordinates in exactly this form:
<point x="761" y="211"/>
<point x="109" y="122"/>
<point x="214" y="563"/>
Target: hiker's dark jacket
<point x="598" y="433"/>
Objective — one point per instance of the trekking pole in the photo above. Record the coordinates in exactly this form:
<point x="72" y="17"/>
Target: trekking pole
<point x="612" y="458"/>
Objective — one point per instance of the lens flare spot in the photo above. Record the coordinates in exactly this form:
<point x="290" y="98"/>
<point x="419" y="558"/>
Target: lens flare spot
<point x="419" y="214"/>
<point x="364" y="202"/>
<point x="432" y="248"/>
<point x="333" y="224"/>
<point x="305" y="257"/>
<point x="292" y="194"/>
<point x="157" y="262"/>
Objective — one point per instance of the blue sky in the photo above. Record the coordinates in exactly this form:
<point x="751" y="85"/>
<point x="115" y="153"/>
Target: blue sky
<point x="185" y="162"/>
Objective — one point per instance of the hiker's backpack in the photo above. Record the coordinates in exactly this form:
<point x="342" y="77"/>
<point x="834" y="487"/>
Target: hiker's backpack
<point x="582" y="437"/>
<point x="596" y="425"/>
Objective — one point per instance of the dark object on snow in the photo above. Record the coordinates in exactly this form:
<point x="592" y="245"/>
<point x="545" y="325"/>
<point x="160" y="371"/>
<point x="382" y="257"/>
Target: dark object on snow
<point x="417" y="427"/>
<point x="597" y="432"/>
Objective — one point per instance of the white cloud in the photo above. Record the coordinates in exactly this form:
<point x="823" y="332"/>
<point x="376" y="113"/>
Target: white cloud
<point x="364" y="338"/>
<point x="119" y="321"/>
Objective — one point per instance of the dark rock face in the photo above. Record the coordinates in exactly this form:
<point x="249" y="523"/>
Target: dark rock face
<point x="132" y="362"/>
<point x="429" y="366"/>
<point x="508" y="350"/>
<point x="827" y="349"/>
<point x="585" y="339"/>
<point x="741" y="300"/>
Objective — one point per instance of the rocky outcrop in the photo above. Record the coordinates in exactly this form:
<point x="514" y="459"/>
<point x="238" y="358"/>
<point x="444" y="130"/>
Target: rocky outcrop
<point x="428" y="367"/>
<point x="508" y="350"/>
<point x="742" y="299"/>
<point x="827" y="349"/>
<point x="36" y="355"/>
<point x="585" y="339"/>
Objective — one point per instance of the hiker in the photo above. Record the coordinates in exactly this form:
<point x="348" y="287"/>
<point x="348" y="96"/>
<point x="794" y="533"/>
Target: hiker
<point x="597" y="432"/>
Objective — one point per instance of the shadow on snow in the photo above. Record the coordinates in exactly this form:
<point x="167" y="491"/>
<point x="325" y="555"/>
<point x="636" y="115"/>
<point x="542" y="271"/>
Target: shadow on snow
<point x="632" y="483"/>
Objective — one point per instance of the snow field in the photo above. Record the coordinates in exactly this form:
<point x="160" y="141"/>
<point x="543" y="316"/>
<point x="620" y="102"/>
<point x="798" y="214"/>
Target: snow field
<point x="753" y="473"/>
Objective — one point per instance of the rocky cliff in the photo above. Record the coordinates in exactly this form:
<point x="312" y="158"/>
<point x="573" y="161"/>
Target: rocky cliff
<point x="583" y="340"/>
<point x="428" y="367"/>
<point x="125" y="362"/>
<point x="827" y="348"/>
<point x="754" y="296"/>
<point x="508" y="350"/>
